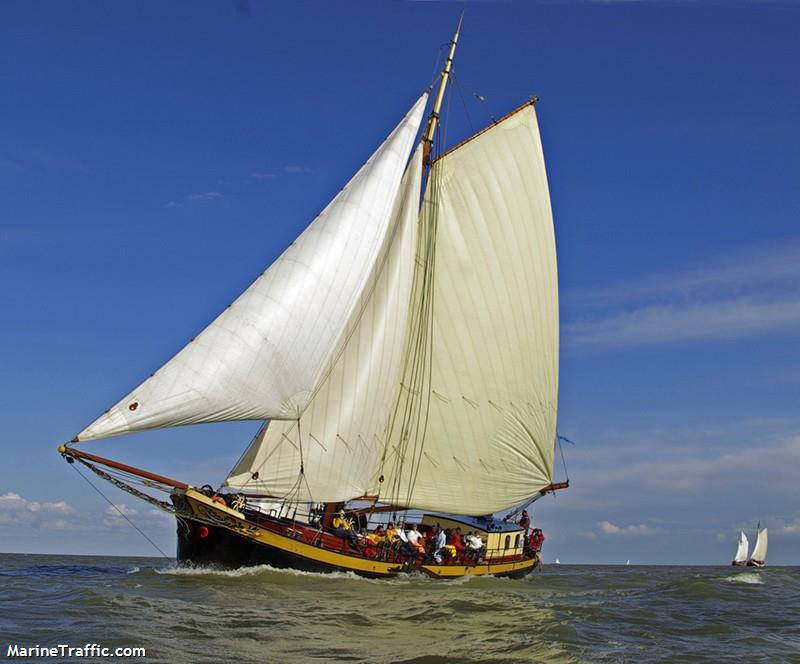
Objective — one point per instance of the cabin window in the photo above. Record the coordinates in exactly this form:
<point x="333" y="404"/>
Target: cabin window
<point x="516" y="542"/>
<point x="508" y="541"/>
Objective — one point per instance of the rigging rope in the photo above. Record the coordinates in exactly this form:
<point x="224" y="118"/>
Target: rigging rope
<point x="561" y="450"/>
<point x="463" y="101"/>
<point x="121" y="513"/>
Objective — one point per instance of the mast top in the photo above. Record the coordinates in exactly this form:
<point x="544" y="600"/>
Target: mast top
<point x="433" y="119"/>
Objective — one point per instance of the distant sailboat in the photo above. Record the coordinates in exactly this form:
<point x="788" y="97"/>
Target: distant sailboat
<point x="627" y="562"/>
<point x="558" y="562"/>
<point x="759" y="557"/>
<point x="740" y="560"/>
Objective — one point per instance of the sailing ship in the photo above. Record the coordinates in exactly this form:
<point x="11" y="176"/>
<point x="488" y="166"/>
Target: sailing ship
<point x="402" y="354"/>
<point x="759" y="556"/>
<point x="740" y="559"/>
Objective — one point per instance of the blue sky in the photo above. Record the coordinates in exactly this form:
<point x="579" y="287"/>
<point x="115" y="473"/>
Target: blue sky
<point x="155" y="158"/>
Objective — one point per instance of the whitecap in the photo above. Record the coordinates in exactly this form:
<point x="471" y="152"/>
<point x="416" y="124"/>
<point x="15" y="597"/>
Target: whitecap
<point x="748" y="577"/>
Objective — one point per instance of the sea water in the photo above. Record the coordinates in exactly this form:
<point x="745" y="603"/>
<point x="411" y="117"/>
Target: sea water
<point x="564" y="613"/>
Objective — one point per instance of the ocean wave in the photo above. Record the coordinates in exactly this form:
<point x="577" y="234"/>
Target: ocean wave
<point x="747" y="577"/>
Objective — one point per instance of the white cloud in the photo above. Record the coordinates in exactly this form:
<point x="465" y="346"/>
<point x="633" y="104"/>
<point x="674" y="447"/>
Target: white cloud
<point x="688" y="470"/>
<point x="701" y="321"/>
<point x="744" y="293"/>
<point x="205" y="196"/>
<point x="16" y="510"/>
<point x="115" y="515"/>
<point x="122" y="508"/>
<point x="263" y="176"/>
<point x="782" y="527"/>
<point x="610" y="529"/>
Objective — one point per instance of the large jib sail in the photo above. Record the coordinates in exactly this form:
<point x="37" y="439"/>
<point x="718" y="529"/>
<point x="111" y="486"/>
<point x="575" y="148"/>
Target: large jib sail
<point x="475" y="425"/>
<point x="339" y="438"/>
<point x="263" y="357"/>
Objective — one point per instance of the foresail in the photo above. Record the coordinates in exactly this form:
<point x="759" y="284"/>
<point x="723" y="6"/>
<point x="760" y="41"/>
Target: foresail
<point x="263" y="357"/>
<point x="340" y="436"/>
<point x="475" y="428"/>
<point x="741" y="551"/>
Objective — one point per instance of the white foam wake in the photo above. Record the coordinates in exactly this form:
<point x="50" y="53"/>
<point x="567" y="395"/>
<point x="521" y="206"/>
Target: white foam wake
<point x="748" y="577"/>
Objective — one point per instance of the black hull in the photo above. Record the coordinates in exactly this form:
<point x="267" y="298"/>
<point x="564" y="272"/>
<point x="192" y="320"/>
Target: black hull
<point x="222" y="548"/>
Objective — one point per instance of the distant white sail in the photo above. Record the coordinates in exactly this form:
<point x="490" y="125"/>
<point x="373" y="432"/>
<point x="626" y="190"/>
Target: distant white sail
<point x="476" y="425"/>
<point x="340" y="436"/>
<point x="760" y="550"/>
<point x="741" y="552"/>
<point x="263" y="357"/>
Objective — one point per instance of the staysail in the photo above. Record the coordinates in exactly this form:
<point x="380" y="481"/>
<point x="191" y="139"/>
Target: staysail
<point x="263" y="356"/>
<point x="339" y="437"/>
<point x="741" y="551"/>
<point x="475" y="425"/>
<point x="760" y="550"/>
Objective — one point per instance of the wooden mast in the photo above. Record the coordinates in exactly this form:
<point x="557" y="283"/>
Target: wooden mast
<point x="433" y="119"/>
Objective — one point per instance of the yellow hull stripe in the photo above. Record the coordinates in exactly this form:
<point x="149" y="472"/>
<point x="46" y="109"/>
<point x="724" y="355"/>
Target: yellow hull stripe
<point x="452" y="571"/>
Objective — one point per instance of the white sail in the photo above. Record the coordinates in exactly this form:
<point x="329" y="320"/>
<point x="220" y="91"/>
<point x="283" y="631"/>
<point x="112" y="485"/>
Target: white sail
<point x="263" y="357"/>
<point x="741" y="551"/>
<point x="475" y="428"/>
<point x="760" y="549"/>
<point x="340" y="436"/>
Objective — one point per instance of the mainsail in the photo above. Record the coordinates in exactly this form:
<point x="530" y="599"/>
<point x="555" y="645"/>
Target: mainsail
<point x="760" y="550"/>
<point x="741" y="552"/>
<point x="262" y="358"/>
<point x="475" y="426"/>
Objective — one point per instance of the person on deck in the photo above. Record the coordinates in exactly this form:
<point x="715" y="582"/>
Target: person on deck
<point x="402" y="544"/>
<point x="524" y="522"/>
<point x="448" y="551"/>
<point x="458" y="543"/>
<point x="414" y="538"/>
<point x="475" y="545"/>
<point x="343" y="527"/>
<point x="377" y="540"/>
<point x="430" y="537"/>
<point x="438" y="545"/>
<point x="366" y="543"/>
<point x="537" y="539"/>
